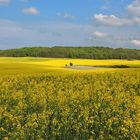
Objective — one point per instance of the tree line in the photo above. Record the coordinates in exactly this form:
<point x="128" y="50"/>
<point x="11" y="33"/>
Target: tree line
<point x="73" y="52"/>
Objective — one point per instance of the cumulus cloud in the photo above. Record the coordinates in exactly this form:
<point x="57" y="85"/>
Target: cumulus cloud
<point x="99" y="34"/>
<point x="4" y="2"/>
<point x="134" y="8"/>
<point x="133" y="18"/>
<point x="134" y="11"/>
<point x="135" y="42"/>
<point x="31" y="11"/>
<point x="66" y="15"/>
<point x="111" y="20"/>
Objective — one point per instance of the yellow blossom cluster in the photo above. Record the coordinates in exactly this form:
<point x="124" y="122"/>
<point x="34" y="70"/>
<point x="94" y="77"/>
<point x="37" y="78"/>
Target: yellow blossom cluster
<point x="70" y="106"/>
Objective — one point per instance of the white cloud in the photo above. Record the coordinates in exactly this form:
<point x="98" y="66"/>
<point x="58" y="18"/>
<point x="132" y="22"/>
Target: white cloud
<point x="133" y="18"/>
<point x="66" y="15"/>
<point x="15" y="34"/>
<point x="4" y="2"/>
<point x="134" y="8"/>
<point x="99" y="34"/>
<point x="136" y="20"/>
<point x="135" y="42"/>
<point x="11" y="29"/>
<point x="31" y="11"/>
<point x="18" y="34"/>
<point x="134" y="11"/>
<point x="111" y="20"/>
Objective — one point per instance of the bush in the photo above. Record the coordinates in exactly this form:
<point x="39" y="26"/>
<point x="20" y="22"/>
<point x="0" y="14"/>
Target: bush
<point x="120" y="66"/>
<point x="71" y="64"/>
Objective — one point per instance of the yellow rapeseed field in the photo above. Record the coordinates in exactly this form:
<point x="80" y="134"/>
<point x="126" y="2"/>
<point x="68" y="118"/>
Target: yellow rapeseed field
<point x="41" y="99"/>
<point x="20" y="65"/>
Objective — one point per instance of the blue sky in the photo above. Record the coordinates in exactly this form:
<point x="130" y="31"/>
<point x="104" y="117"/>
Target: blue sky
<point x="112" y="23"/>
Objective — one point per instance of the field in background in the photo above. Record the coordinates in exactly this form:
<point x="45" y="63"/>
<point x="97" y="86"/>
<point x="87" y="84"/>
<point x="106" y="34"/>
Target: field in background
<point x="41" y="99"/>
<point x="21" y="65"/>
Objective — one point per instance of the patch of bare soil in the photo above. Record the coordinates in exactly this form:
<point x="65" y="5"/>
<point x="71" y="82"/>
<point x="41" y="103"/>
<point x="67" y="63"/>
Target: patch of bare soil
<point x="82" y="67"/>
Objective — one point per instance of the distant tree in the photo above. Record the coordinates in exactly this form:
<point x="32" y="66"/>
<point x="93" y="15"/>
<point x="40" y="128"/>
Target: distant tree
<point x="71" y="64"/>
<point x="74" y="52"/>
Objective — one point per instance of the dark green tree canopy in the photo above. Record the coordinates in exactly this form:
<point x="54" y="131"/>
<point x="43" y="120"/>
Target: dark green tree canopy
<point x="73" y="52"/>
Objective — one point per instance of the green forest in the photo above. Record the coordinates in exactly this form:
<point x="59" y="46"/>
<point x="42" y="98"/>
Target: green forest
<point x="73" y="52"/>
